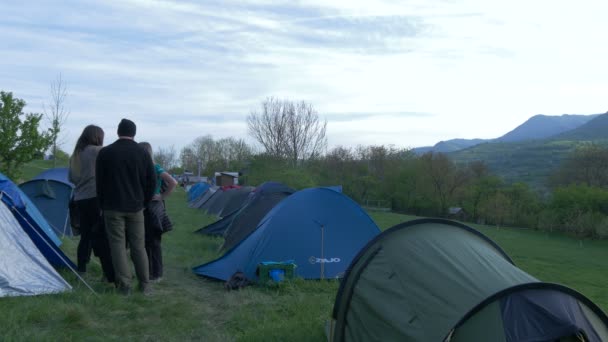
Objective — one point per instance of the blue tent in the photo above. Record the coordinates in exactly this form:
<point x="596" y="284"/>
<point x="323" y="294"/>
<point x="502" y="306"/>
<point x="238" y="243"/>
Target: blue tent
<point x="33" y="223"/>
<point x="197" y="190"/>
<point x="51" y="193"/>
<point x="320" y="229"/>
<point x="59" y="174"/>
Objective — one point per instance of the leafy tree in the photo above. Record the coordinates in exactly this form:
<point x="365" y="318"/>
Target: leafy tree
<point x="188" y="159"/>
<point x="443" y="177"/>
<point x="579" y="208"/>
<point x="215" y="155"/>
<point x="20" y="139"/>
<point x="585" y="166"/>
<point x="481" y="190"/>
<point x="496" y="209"/>
<point x="167" y="157"/>
<point x="526" y="205"/>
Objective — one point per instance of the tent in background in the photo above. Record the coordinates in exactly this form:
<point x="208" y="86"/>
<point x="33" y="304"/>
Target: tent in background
<point x="197" y="190"/>
<point x="59" y="174"/>
<point x="263" y="200"/>
<point x="236" y="226"/>
<point x="221" y="198"/>
<point x="24" y="271"/>
<point x="438" y="280"/>
<point x="217" y="195"/>
<point x="321" y="230"/>
<point x="51" y="192"/>
<point x="216" y="202"/>
<point x="203" y="198"/>
<point x="234" y="200"/>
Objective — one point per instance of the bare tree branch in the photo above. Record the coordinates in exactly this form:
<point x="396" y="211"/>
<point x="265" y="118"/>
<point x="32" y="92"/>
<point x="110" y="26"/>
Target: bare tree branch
<point x="288" y="130"/>
<point x="57" y="114"/>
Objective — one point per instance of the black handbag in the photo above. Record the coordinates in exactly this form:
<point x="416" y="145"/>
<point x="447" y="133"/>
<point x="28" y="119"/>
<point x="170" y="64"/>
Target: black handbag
<point x="156" y="218"/>
<point x="74" y="217"/>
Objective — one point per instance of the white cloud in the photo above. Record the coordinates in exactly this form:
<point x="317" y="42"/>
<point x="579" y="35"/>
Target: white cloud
<point x="186" y="69"/>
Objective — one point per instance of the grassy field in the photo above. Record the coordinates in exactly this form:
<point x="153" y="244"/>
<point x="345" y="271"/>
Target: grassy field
<point x="187" y="307"/>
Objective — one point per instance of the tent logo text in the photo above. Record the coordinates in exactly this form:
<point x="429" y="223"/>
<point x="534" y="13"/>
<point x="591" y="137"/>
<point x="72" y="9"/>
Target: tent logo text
<point x="314" y="260"/>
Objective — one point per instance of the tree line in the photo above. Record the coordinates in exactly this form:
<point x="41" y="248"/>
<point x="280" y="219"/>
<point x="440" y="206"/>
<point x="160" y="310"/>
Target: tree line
<point x="294" y="151"/>
<point x="575" y="200"/>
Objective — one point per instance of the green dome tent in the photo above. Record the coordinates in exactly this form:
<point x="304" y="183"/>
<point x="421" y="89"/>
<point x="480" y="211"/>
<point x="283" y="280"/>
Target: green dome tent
<point x="438" y="280"/>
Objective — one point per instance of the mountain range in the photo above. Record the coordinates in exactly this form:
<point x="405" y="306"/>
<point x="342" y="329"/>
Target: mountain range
<point x="536" y="128"/>
<point x="533" y="150"/>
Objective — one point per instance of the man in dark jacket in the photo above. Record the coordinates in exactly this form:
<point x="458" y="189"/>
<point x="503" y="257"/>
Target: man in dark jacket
<point x="126" y="181"/>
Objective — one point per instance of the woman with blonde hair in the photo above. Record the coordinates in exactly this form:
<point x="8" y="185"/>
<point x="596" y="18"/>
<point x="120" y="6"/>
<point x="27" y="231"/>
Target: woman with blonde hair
<point x="82" y="174"/>
<point x="155" y="217"/>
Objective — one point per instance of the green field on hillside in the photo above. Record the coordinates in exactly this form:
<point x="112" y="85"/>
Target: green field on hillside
<point x="531" y="162"/>
<point x="187" y="307"/>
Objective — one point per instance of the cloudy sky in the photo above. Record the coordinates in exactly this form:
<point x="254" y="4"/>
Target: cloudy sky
<point x="408" y="73"/>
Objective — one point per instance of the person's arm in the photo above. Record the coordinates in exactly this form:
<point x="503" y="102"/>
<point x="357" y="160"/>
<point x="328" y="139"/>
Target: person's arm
<point x="171" y="184"/>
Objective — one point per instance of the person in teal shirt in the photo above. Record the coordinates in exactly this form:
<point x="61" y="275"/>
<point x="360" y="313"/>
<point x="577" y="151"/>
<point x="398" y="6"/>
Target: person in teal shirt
<point x="156" y="217"/>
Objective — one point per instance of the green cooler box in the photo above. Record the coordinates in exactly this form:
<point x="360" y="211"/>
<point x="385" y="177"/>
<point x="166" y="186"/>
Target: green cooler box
<point x="276" y="272"/>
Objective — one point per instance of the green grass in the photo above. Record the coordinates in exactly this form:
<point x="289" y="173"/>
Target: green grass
<point x="33" y="168"/>
<point x="186" y="307"/>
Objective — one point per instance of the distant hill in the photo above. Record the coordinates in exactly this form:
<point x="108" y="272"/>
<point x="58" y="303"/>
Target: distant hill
<point x="595" y="129"/>
<point x="531" y="162"/>
<point x="449" y="145"/>
<point x="540" y="127"/>
<point x="534" y="160"/>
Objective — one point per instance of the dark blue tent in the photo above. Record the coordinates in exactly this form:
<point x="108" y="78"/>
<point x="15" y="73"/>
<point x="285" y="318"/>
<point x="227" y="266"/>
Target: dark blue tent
<point x="33" y="223"/>
<point x="235" y="200"/>
<point x="59" y="174"/>
<point x="236" y="226"/>
<point x="204" y="198"/>
<point x="51" y="192"/>
<point x="321" y="230"/>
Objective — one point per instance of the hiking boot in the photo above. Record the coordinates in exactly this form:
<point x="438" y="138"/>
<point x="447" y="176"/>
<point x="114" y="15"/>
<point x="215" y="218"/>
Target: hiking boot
<point x="146" y="290"/>
<point x="156" y="280"/>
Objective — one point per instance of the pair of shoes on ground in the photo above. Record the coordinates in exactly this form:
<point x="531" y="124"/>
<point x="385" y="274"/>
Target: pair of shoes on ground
<point x="146" y="290"/>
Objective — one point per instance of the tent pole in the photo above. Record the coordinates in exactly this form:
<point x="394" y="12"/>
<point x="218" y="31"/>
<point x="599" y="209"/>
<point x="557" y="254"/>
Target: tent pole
<point x="322" y="252"/>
